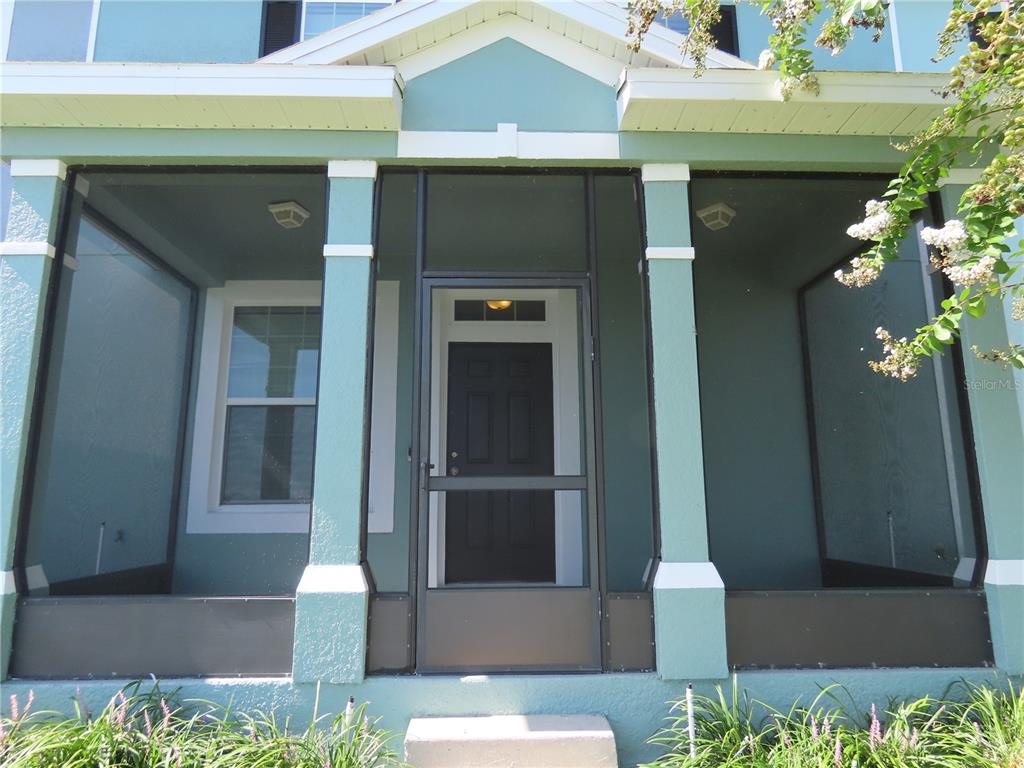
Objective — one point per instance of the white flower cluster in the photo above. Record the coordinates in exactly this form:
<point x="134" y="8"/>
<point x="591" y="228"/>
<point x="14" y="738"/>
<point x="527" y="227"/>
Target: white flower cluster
<point x="877" y="222"/>
<point x="862" y="272"/>
<point x="954" y="258"/>
<point x="793" y="10"/>
<point x="982" y="271"/>
<point x="1017" y="313"/>
<point x="766" y="60"/>
<point x="951" y="237"/>
<point x="899" y="361"/>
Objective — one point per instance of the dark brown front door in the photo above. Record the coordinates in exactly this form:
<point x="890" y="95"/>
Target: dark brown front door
<point x="500" y="423"/>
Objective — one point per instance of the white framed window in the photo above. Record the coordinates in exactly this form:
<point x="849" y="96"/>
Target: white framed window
<point x="319" y="16"/>
<point x="255" y="414"/>
<point x="60" y="30"/>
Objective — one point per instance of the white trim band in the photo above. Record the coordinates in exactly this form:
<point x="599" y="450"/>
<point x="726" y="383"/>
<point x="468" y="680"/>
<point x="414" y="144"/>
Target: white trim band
<point x="508" y="142"/>
<point x="27" y="248"/>
<point x="356" y="251"/>
<point x="322" y="579"/>
<point x="352" y="169"/>
<point x="687" y="576"/>
<point x="26" y="167"/>
<point x="961" y="176"/>
<point x="685" y="253"/>
<point x="7" y="585"/>
<point x="665" y="172"/>
<point x="1005" y="573"/>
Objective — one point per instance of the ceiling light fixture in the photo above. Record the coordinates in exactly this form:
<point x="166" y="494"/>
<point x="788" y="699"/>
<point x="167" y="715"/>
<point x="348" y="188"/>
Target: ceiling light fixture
<point x="716" y="216"/>
<point x="288" y="214"/>
<point x="498" y="304"/>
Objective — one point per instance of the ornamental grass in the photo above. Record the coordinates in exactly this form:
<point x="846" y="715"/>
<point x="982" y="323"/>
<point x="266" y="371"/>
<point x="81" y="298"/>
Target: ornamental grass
<point x="981" y="727"/>
<point x="150" y="730"/>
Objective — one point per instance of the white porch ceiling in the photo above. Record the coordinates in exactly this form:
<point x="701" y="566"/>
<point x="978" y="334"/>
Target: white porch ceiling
<point x="200" y="96"/>
<point x="748" y="101"/>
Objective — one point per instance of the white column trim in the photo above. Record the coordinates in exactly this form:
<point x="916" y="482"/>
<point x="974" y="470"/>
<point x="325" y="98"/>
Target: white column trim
<point x="352" y="169"/>
<point x="961" y="176"/>
<point x="82" y="185"/>
<point x="687" y="576"/>
<point x="670" y="252"/>
<point x="349" y="250"/>
<point x="897" y="45"/>
<point x="25" y="167"/>
<point x="1005" y="573"/>
<point x="35" y="578"/>
<point x="27" y="248"/>
<point x="665" y="172"/>
<point x="321" y="579"/>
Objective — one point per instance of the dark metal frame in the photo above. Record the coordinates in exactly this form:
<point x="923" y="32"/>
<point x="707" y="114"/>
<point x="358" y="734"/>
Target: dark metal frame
<point x="65" y="209"/>
<point x="963" y="413"/>
<point x="42" y="375"/>
<point x="422" y="484"/>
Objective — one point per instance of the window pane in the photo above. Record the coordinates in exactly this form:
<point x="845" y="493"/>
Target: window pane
<point x="268" y="454"/>
<point x="319" y="19"/>
<point x="57" y="30"/>
<point x="274" y="352"/>
<point x="106" y="475"/>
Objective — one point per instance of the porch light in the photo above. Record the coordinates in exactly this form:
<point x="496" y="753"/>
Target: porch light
<point x="289" y="214"/>
<point x="498" y="304"/>
<point x="716" y="216"/>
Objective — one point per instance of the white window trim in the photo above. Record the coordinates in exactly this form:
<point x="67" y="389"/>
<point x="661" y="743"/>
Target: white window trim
<point x="205" y="512"/>
<point x="7" y="24"/>
<point x="94" y="22"/>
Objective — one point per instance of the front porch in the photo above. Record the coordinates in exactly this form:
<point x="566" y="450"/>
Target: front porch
<point x="485" y="391"/>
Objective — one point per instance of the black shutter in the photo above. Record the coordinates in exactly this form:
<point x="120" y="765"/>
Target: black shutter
<point x="280" y="25"/>
<point x="724" y="31"/>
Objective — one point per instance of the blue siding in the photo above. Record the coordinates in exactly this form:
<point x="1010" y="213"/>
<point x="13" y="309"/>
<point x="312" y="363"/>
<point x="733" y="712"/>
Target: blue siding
<point x="188" y="31"/>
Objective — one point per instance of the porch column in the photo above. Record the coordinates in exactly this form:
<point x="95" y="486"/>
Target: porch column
<point x="689" y="596"/>
<point x="997" y="415"/>
<point x="26" y="258"/>
<point x="331" y="599"/>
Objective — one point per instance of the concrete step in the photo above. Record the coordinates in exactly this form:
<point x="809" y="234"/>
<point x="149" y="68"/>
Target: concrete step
<point x="511" y="741"/>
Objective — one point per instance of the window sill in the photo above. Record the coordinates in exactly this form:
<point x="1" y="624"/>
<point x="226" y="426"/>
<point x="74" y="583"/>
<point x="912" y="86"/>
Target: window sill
<point x="252" y="518"/>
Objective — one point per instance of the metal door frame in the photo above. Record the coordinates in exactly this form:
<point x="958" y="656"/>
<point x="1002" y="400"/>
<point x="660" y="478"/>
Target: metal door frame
<point x="425" y="483"/>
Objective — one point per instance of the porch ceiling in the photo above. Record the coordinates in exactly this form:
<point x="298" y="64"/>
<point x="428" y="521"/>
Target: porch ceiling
<point x="748" y="101"/>
<point x="201" y="96"/>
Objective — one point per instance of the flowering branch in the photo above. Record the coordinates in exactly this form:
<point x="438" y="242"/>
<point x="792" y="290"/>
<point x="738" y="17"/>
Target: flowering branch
<point x="982" y="126"/>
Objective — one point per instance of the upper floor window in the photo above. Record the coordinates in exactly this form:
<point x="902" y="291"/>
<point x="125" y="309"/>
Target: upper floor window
<point x="322" y="15"/>
<point x="58" y="30"/>
<point x="287" y="21"/>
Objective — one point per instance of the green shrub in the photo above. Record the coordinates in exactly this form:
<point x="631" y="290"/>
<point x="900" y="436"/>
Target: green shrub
<point x="982" y="729"/>
<point x="149" y="730"/>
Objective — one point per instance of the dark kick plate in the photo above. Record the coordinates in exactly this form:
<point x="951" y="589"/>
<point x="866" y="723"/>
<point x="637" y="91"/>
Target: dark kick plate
<point x="858" y="628"/>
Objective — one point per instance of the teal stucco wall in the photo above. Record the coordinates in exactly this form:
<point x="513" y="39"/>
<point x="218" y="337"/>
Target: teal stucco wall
<point x="193" y="31"/>
<point x="506" y="82"/>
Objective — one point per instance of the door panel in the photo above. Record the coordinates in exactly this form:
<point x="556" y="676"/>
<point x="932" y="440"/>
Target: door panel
<point x="500" y="423"/>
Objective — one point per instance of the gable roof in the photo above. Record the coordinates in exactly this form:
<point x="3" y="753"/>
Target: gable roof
<point x="417" y="36"/>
